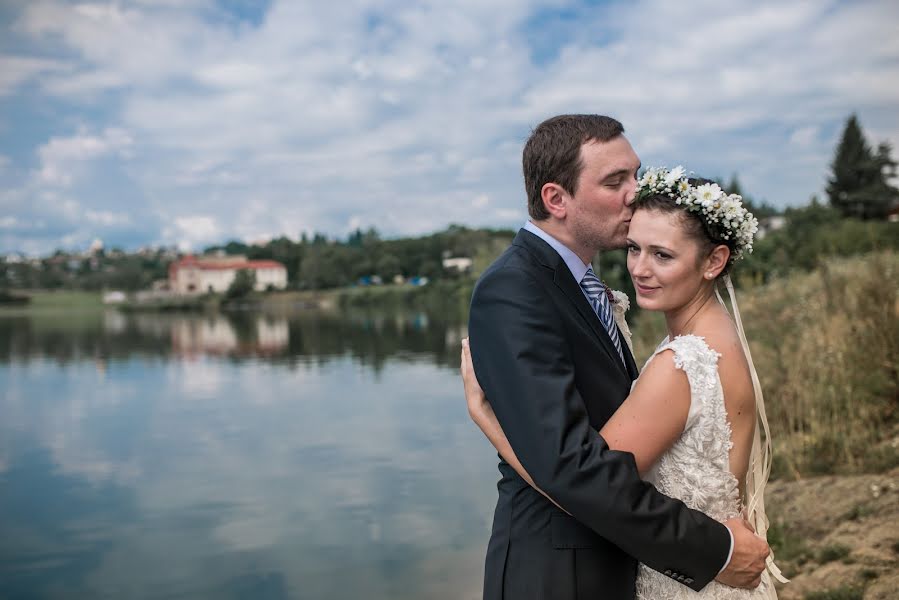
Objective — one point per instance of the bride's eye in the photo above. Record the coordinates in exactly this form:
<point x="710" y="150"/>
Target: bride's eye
<point x="631" y="248"/>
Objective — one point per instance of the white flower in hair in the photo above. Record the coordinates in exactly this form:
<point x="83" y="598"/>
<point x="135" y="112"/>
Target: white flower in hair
<point x="674" y="176"/>
<point x="723" y="214"/>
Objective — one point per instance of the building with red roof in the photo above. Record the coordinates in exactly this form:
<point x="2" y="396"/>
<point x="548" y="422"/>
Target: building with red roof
<point x="214" y="274"/>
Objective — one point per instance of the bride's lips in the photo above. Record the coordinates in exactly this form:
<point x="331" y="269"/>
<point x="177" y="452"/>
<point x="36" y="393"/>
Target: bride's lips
<point x="643" y="290"/>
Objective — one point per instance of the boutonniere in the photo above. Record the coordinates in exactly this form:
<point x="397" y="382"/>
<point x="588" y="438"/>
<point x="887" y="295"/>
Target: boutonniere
<point x="620" y="303"/>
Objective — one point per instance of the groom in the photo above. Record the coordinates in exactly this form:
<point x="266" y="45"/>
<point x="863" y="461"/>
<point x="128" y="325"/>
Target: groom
<point x="554" y="374"/>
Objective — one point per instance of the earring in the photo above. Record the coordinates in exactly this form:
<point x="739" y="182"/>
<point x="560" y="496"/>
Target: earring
<point x="708" y="275"/>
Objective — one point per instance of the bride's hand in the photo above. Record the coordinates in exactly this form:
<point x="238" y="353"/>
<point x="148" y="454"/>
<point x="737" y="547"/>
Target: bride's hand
<point x="474" y="395"/>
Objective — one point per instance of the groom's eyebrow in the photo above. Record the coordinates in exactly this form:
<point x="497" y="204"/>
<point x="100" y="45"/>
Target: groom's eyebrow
<point x="623" y="172"/>
<point x="618" y="173"/>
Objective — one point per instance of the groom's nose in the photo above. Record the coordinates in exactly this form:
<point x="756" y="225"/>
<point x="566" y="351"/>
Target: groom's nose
<point x="630" y="193"/>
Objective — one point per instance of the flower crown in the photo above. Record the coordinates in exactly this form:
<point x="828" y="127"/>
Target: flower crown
<point x="722" y="214"/>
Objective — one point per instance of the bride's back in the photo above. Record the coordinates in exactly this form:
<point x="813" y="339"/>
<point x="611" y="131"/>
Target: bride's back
<point x="736" y="382"/>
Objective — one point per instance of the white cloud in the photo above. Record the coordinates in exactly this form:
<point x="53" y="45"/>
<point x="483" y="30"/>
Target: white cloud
<point x="190" y="233"/>
<point x="402" y="116"/>
<point x="16" y="70"/>
<point x="804" y="136"/>
<point x="62" y="158"/>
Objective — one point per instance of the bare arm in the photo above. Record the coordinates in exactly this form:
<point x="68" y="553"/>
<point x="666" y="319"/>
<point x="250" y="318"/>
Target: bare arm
<point x="653" y="416"/>
<point x="481" y="413"/>
<point x="646" y="425"/>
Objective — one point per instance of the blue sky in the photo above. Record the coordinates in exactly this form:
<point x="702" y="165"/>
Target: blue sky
<point x="192" y="122"/>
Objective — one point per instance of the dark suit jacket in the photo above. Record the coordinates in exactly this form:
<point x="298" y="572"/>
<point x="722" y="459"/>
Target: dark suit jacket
<point x="553" y="379"/>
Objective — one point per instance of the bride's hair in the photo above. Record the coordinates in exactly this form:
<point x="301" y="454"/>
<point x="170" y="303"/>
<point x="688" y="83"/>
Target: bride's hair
<point x="695" y="226"/>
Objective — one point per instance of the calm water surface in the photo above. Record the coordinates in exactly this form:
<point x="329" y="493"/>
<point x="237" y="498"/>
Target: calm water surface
<point x="292" y="456"/>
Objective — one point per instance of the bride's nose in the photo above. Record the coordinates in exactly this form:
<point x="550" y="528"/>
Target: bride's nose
<point x="637" y="264"/>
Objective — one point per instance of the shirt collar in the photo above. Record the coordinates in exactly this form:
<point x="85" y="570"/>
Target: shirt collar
<point x="575" y="264"/>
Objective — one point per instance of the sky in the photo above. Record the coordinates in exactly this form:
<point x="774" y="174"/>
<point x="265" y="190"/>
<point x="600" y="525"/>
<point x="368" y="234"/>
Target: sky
<point x="189" y="123"/>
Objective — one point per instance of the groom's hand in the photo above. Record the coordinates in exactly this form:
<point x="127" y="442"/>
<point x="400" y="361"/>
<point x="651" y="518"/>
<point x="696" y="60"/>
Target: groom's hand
<point x="748" y="559"/>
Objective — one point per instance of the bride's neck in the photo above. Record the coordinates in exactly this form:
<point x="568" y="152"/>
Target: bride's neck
<point x="683" y="319"/>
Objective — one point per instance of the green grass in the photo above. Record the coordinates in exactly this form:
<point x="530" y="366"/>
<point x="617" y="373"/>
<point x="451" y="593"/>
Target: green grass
<point x="834" y="552"/>
<point x="58" y="301"/>
<point x="859" y="511"/>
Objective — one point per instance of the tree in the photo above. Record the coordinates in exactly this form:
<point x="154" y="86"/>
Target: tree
<point x="859" y="186"/>
<point x="243" y="283"/>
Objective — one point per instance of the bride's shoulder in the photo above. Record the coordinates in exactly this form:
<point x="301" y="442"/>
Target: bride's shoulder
<point x="689" y="348"/>
<point x="720" y="335"/>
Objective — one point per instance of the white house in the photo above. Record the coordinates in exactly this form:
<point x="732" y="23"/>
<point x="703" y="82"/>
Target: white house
<point x="461" y="264"/>
<point x="769" y="224"/>
<point x="192" y="275"/>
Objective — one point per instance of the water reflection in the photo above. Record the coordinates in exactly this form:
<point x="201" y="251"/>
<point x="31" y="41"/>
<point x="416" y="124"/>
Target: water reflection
<point x="239" y="456"/>
<point x="369" y="337"/>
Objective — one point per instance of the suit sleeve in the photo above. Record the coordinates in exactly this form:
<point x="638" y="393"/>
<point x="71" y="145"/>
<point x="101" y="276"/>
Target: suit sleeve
<point x="524" y="364"/>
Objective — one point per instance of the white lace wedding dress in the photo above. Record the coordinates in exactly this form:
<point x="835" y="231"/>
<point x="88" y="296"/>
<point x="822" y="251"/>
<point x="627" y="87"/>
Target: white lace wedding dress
<point x="696" y="469"/>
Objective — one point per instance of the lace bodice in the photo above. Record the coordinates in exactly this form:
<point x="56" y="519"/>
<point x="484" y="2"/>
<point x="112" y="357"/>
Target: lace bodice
<point x="696" y="469"/>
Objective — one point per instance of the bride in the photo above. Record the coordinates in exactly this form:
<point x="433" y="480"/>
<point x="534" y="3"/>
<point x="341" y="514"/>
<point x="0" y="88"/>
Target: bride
<point x="692" y="418"/>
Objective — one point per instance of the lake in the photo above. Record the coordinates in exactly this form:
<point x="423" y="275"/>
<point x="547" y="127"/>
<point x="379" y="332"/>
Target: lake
<point x="307" y="455"/>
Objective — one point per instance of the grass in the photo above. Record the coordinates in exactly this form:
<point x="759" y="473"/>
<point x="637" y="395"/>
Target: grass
<point x="790" y="548"/>
<point x="56" y="301"/>
<point x="857" y="512"/>
<point x="834" y="552"/>
<point x="840" y="593"/>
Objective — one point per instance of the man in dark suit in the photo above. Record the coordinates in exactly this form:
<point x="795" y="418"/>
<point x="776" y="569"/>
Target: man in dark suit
<point x="554" y="375"/>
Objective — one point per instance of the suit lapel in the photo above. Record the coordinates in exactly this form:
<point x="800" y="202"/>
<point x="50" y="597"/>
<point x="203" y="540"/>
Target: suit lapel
<point x="564" y="280"/>
<point x="632" y="369"/>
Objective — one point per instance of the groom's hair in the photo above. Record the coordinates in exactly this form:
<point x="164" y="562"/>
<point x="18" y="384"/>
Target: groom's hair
<point x="553" y="154"/>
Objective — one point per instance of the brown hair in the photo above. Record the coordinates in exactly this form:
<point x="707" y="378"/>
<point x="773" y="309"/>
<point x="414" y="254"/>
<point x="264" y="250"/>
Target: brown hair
<point x="552" y="154"/>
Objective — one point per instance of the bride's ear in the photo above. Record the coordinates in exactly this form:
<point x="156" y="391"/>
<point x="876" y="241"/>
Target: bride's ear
<point x="716" y="261"/>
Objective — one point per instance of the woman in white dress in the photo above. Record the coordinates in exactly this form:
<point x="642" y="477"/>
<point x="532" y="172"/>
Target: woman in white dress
<point x="693" y="416"/>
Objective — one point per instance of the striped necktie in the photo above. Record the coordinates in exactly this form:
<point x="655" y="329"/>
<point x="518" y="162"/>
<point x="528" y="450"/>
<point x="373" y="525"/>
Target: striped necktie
<point x="596" y="291"/>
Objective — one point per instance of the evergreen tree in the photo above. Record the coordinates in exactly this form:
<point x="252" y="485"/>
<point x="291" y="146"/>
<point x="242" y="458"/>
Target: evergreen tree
<point x="859" y="186"/>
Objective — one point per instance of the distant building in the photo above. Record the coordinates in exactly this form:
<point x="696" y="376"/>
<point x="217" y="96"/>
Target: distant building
<point x="769" y="224"/>
<point x="460" y="264"/>
<point x="893" y="215"/>
<point x="114" y="297"/>
<point x="193" y="275"/>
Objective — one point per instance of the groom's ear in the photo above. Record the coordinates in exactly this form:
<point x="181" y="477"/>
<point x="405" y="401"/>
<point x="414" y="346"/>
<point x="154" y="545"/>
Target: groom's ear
<point x="555" y="199"/>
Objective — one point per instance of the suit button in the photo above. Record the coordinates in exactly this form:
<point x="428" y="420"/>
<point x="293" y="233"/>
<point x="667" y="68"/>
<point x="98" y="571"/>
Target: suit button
<point x="667" y="572"/>
<point x="688" y="580"/>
